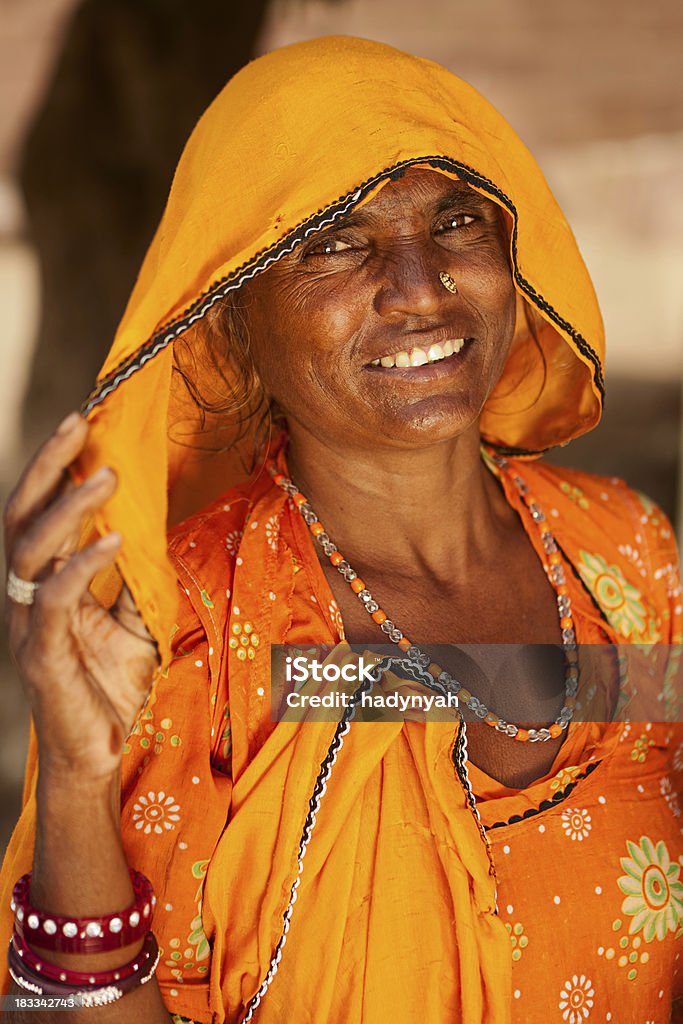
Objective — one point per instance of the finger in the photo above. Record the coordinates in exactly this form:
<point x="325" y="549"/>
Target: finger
<point x="61" y="594"/>
<point x="126" y="613"/>
<point x="44" y="475"/>
<point x="48" y="535"/>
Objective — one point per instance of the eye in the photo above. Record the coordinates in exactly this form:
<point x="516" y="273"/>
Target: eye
<point x="455" y="221"/>
<point x="328" y="247"/>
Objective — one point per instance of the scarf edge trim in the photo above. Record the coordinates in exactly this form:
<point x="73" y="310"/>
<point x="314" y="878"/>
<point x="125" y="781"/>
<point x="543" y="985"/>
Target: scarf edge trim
<point x="263" y="259"/>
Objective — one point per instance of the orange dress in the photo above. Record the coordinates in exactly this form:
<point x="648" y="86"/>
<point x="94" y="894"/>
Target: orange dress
<point x="393" y="912"/>
<point x="397" y="916"/>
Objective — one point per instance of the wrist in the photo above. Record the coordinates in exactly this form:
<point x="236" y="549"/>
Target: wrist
<point x="57" y="778"/>
<point x="70" y="803"/>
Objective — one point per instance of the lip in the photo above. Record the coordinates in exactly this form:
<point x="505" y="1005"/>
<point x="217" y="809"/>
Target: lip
<point x="430" y="371"/>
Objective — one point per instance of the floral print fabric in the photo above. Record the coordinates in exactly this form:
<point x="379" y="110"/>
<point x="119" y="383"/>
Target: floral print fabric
<point x="585" y="915"/>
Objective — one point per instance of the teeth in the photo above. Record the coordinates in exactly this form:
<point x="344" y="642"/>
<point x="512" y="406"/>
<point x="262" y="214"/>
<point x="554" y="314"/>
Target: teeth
<point x="418" y="356"/>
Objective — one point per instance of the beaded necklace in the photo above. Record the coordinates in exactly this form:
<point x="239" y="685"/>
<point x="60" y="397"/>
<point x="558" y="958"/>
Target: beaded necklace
<point x="553" y="568"/>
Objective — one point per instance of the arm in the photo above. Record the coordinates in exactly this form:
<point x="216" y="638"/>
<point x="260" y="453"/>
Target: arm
<point x="80" y="869"/>
<point x="87" y="671"/>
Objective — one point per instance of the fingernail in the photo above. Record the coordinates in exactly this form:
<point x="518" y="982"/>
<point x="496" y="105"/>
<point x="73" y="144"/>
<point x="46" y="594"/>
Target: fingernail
<point x="69" y="423"/>
<point x="110" y="540"/>
<point x="104" y="472"/>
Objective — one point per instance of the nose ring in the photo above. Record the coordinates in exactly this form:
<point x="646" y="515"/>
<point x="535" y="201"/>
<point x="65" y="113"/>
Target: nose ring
<point x="448" y="282"/>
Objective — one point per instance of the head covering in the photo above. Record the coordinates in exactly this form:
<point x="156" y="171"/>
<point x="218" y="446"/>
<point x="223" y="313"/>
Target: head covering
<point x="296" y="138"/>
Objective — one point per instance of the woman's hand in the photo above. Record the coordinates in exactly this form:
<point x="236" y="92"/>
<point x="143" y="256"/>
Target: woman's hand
<point x="87" y="670"/>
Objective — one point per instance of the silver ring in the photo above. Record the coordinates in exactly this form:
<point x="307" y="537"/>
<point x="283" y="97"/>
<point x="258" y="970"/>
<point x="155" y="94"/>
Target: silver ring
<point x="21" y="591"/>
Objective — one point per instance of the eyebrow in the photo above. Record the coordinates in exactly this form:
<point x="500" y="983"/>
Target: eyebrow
<point x="457" y="194"/>
<point x="360" y="218"/>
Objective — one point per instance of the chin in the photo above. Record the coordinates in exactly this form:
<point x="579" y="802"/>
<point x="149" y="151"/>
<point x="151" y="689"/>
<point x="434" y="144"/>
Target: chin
<point x="433" y="421"/>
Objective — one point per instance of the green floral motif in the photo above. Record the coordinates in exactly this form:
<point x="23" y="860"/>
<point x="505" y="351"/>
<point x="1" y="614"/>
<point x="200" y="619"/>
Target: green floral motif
<point x="641" y="748"/>
<point x="206" y="599"/>
<point x="619" y="599"/>
<point x="197" y="944"/>
<point x="575" y="494"/>
<point x="197" y="936"/>
<point x="151" y="737"/>
<point x="564" y="777"/>
<point x="627" y="952"/>
<point x="652" y="890"/>
<point x="518" y="939"/>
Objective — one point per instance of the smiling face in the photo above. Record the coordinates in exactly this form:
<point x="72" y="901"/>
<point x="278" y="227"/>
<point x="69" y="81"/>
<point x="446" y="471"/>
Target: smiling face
<point x="358" y="340"/>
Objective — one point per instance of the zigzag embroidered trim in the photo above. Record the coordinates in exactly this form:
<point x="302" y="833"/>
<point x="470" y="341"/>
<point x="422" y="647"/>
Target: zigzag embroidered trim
<point x="319" y="790"/>
<point x="546" y="805"/>
<point x="197" y="311"/>
<point x="459" y="758"/>
<point x="262" y="260"/>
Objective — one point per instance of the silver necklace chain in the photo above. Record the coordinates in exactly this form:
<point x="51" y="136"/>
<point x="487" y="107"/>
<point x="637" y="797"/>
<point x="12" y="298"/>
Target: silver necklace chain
<point x="415" y="660"/>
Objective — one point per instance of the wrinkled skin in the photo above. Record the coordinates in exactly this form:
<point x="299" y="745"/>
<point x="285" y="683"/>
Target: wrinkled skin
<point x="369" y="285"/>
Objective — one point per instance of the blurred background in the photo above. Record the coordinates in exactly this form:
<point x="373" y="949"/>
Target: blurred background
<point x="98" y="96"/>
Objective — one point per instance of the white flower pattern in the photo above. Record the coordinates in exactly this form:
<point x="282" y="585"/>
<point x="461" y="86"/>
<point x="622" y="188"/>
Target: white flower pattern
<point x="576" y="999"/>
<point x="155" y="812"/>
<point x="232" y="542"/>
<point x="669" y="793"/>
<point x="273" y="532"/>
<point x="576" y="824"/>
<point x="335" y="615"/>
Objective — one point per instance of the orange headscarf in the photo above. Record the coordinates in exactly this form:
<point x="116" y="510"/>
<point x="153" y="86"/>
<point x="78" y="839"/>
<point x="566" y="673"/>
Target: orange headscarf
<point x="296" y="138"/>
<point x="398" y="914"/>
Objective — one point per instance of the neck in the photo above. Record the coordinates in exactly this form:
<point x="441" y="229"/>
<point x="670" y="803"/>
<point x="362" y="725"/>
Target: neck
<point x="433" y="508"/>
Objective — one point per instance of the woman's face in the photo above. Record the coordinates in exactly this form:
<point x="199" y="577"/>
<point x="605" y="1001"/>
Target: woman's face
<point x="357" y="339"/>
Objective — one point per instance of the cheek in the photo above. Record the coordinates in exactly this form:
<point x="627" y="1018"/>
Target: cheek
<point x="492" y="293"/>
<point x="305" y="322"/>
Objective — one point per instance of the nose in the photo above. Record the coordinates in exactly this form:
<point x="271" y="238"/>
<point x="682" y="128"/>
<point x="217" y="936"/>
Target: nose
<point x="408" y="282"/>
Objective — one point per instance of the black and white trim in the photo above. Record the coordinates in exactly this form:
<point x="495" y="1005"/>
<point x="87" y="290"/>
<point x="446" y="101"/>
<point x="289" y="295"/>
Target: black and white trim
<point x="324" y="217"/>
<point x="318" y="793"/>
<point x="546" y="805"/>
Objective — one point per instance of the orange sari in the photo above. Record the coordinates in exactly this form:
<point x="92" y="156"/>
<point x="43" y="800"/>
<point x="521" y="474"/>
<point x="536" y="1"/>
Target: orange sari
<point x="397" y="914"/>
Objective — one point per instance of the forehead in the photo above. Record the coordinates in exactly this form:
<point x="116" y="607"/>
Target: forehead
<point x="419" y="189"/>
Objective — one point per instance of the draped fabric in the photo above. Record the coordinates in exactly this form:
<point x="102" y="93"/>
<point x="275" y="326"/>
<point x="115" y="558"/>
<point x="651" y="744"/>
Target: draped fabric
<point x="296" y="138"/>
<point x="564" y="901"/>
<point x="398" y="915"/>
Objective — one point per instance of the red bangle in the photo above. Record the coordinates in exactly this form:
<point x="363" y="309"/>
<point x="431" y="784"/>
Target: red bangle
<point x="83" y="979"/>
<point x="89" y="995"/>
<point x="84" y="934"/>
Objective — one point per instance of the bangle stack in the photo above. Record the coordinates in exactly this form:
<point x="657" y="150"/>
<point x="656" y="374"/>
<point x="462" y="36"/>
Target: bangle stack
<point x="33" y="927"/>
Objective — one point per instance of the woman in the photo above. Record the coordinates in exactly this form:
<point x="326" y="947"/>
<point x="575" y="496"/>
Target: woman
<point x="393" y="282"/>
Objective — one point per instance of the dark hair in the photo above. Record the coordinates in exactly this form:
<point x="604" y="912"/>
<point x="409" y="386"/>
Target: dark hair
<point x="231" y="399"/>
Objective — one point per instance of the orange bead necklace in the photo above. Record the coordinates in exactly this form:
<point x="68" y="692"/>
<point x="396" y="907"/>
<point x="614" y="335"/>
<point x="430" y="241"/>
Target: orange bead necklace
<point x="554" y="570"/>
